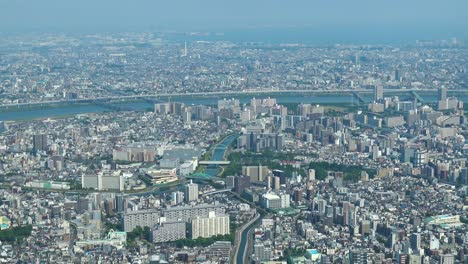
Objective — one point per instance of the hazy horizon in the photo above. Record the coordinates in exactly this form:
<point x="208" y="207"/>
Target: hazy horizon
<point x="336" y="20"/>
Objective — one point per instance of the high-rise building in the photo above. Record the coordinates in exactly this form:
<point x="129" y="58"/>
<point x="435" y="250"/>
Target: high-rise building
<point x="212" y="225"/>
<point x="40" y="142"/>
<point x="396" y="75"/>
<point x="177" y="197"/>
<point x="241" y="183"/>
<point x="191" y="192"/>
<point x="442" y="93"/>
<point x="281" y="174"/>
<point x="256" y="173"/>
<point x="378" y="93"/>
<point x="415" y="241"/>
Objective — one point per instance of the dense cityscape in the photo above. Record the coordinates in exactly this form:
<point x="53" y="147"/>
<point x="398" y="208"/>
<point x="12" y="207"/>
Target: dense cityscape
<point x="242" y="179"/>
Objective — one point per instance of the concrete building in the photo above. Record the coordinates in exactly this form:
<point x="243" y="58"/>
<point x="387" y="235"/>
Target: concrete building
<point x="40" y="142"/>
<point x="212" y="225"/>
<point x="141" y="218"/>
<point x="271" y="201"/>
<point x="187" y="213"/>
<point x="378" y="93"/>
<point x="241" y="183"/>
<point x="168" y="231"/>
<point x="103" y="181"/>
<point x="256" y="173"/>
<point x="191" y="192"/>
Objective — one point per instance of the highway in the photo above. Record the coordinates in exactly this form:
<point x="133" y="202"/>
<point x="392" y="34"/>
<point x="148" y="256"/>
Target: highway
<point x="205" y="94"/>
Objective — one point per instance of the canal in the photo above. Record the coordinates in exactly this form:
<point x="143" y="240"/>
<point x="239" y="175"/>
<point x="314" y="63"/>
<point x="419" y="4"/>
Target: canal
<point x="244" y="239"/>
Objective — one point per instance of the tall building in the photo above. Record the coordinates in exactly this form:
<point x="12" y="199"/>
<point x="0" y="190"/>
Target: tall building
<point x="212" y="225"/>
<point x="40" y="142"/>
<point x="281" y="174"/>
<point x="442" y="93"/>
<point x="396" y="75"/>
<point x="256" y="173"/>
<point x="415" y="241"/>
<point x="177" y="197"/>
<point x="378" y="93"/>
<point x="191" y="192"/>
<point x="241" y="183"/>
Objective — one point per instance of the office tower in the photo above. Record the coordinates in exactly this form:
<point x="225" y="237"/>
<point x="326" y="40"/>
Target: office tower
<point x="40" y="142"/>
<point x="191" y="192"/>
<point x="281" y="174"/>
<point x="415" y="241"/>
<point x="442" y="93"/>
<point x="212" y="225"/>
<point x="378" y="93"/>
<point x="256" y="173"/>
<point x="396" y="75"/>
<point x="120" y="202"/>
<point x="241" y="183"/>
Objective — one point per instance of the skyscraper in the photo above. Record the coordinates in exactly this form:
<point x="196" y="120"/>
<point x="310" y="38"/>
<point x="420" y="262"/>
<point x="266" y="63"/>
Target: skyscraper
<point x="241" y="183"/>
<point x="191" y="192"/>
<point x="378" y="93"/>
<point x="415" y="241"/>
<point x="396" y="75"/>
<point x="442" y="93"/>
<point x="40" y="142"/>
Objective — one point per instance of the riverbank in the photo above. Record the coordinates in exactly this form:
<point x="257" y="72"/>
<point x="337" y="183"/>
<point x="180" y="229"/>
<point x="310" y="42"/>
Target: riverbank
<point x="142" y="105"/>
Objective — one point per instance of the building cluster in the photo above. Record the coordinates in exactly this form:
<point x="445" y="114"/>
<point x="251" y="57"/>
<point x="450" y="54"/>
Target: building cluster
<point x="61" y="67"/>
<point x="384" y="181"/>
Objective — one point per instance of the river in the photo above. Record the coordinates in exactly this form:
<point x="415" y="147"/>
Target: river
<point x="143" y="105"/>
<point x="218" y="154"/>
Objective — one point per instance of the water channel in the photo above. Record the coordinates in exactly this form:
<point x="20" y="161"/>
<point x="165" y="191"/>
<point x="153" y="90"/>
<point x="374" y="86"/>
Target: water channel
<point x="66" y="110"/>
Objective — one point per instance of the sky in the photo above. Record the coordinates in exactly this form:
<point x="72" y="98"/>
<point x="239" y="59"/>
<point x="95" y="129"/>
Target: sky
<point x="431" y="18"/>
